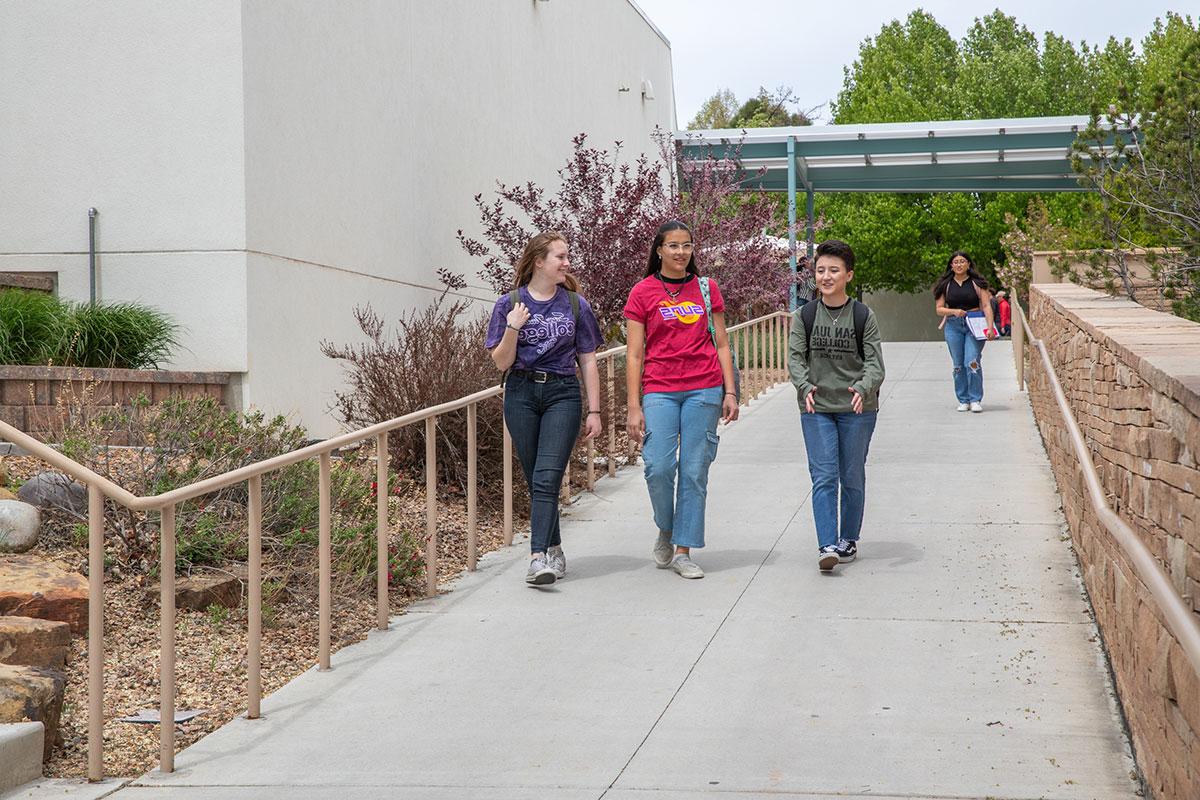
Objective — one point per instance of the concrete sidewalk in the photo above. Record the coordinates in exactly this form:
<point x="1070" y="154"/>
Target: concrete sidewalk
<point x="955" y="659"/>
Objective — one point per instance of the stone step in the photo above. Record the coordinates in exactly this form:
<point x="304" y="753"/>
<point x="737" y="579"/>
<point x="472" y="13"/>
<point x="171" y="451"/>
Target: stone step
<point x="21" y="745"/>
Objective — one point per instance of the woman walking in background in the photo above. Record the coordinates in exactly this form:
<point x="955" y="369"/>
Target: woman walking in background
<point x="536" y="335"/>
<point x="959" y="291"/>
<point x="678" y="355"/>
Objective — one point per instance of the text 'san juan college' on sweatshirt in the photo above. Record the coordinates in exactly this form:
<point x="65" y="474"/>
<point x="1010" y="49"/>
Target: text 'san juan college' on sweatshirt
<point x="830" y="359"/>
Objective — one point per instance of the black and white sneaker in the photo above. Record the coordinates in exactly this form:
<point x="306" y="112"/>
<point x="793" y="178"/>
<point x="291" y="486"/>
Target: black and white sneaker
<point x="828" y="558"/>
<point x="847" y="550"/>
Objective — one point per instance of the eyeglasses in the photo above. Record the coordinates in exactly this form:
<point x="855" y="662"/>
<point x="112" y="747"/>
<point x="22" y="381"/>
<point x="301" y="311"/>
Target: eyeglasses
<point x="676" y="247"/>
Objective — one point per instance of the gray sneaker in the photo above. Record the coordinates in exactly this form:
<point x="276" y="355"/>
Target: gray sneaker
<point x="663" y="550"/>
<point x="540" y="572"/>
<point x="557" y="561"/>
<point x="686" y="568"/>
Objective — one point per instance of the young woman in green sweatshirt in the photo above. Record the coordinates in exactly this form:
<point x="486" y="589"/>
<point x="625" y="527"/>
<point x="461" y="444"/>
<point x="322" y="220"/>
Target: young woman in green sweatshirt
<point x="836" y="363"/>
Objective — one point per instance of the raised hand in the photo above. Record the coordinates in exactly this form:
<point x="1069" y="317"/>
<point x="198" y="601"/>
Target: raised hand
<point x="518" y="316"/>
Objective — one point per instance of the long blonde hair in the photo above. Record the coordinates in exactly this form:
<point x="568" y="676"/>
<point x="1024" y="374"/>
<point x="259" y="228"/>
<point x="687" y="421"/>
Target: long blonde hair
<point x="537" y="248"/>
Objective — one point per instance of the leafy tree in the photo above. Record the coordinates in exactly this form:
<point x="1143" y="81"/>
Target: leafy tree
<point x="765" y="110"/>
<point x="1000" y="70"/>
<point x="770" y="110"/>
<point x="905" y="73"/>
<point x="716" y="112"/>
<point x="1156" y="182"/>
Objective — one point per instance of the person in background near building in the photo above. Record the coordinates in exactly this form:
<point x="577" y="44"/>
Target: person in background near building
<point x="1005" y="314"/>
<point x="806" y="288"/>
<point x="536" y="335"/>
<point x="835" y="358"/>
<point x="679" y="356"/>
<point x="962" y="289"/>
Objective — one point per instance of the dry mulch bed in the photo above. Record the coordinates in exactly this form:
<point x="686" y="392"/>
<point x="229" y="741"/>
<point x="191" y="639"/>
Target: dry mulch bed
<point x="210" y="672"/>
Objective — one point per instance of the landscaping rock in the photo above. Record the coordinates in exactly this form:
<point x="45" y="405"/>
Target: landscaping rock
<point x="198" y="592"/>
<point x="34" y="642"/>
<point x="31" y="587"/>
<point x="5" y="494"/>
<point x="19" y="526"/>
<point x="55" y="490"/>
<point x="33" y="694"/>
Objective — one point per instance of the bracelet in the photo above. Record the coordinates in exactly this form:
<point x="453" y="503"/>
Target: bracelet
<point x="733" y="394"/>
<point x="593" y="412"/>
<point x="511" y="328"/>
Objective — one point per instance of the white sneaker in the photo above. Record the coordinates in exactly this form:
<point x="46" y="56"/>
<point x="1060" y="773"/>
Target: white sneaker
<point x="540" y="572"/>
<point x="962" y="407"/>
<point x="557" y="561"/>
<point x="976" y="407"/>
<point x="686" y="568"/>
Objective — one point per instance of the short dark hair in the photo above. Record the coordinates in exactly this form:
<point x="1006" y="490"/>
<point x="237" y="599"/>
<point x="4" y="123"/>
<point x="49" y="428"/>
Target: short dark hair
<point x="838" y="249"/>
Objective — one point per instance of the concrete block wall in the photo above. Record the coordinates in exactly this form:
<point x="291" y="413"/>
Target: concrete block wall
<point x="34" y="400"/>
<point x="1132" y="378"/>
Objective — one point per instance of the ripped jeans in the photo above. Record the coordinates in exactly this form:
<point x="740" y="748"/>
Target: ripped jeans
<point x="967" y="354"/>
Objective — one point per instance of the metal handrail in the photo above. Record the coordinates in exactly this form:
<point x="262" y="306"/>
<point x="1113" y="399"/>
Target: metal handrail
<point x="764" y="345"/>
<point x="1180" y="619"/>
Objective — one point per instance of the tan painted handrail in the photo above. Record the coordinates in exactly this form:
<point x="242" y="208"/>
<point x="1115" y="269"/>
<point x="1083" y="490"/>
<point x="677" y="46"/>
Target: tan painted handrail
<point x="762" y="345"/>
<point x="1180" y="619"/>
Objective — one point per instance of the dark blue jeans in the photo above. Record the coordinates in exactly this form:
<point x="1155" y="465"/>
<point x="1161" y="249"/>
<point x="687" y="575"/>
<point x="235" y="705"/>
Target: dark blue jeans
<point x="543" y="420"/>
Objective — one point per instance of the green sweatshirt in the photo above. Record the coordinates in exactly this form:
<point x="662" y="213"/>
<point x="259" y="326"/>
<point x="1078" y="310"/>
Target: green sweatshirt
<point x="832" y="364"/>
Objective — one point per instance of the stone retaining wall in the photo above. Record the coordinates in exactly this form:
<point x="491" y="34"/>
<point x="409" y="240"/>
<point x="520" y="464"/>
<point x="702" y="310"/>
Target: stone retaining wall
<point x="30" y="396"/>
<point x="1132" y="378"/>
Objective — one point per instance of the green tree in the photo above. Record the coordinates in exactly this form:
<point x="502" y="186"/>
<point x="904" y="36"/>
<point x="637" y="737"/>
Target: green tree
<point x="717" y="111"/>
<point x="765" y="110"/>
<point x="1162" y="51"/>
<point x="1109" y="69"/>
<point x="905" y="73"/>
<point x="1000" y="70"/>
<point x="770" y="110"/>
<point x="1155" y="182"/>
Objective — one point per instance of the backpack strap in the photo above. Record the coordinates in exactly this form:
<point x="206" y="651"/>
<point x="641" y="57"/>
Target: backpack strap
<point x="574" y="307"/>
<point x="704" y="292"/>
<point x="808" y="316"/>
<point x="860" y="326"/>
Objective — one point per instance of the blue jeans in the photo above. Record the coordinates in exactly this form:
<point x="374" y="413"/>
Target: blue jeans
<point x="837" y="447"/>
<point x="967" y="353"/>
<point x="543" y="419"/>
<point x="681" y="439"/>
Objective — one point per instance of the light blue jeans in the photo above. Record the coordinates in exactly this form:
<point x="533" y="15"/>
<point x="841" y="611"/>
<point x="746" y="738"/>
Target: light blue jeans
<point x="837" y="447"/>
<point x="967" y="354"/>
<point x="681" y="440"/>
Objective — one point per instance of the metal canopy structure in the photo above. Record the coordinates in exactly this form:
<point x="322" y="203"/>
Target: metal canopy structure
<point x="1031" y="154"/>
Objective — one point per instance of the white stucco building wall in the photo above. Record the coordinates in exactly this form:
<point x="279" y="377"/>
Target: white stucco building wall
<point x="262" y="168"/>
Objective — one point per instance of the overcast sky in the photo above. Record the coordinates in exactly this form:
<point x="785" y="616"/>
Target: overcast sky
<point x="744" y="44"/>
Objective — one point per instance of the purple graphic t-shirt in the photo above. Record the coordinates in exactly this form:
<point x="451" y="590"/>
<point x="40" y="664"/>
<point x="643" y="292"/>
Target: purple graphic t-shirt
<point x="548" y="342"/>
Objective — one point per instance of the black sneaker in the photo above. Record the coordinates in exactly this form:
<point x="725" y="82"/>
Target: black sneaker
<point x="846" y="550"/>
<point x="827" y="558"/>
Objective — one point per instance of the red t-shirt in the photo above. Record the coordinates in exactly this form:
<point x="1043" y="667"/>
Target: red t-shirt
<point x="680" y="355"/>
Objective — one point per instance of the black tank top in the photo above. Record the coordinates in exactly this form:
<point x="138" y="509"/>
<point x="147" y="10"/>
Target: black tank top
<point x="965" y="297"/>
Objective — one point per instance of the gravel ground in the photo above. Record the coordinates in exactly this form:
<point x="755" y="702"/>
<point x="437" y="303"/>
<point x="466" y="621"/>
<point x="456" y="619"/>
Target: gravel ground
<point x="210" y="672"/>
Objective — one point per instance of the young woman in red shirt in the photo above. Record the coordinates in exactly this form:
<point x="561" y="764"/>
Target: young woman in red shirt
<point x="686" y="375"/>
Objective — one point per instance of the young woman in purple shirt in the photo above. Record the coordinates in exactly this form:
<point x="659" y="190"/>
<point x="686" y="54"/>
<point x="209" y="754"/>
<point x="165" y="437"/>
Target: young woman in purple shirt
<point x="537" y="334"/>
